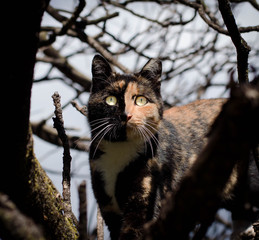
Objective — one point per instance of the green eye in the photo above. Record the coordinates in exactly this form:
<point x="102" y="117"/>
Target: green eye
<point x="141" y="101"/>
<point x="111" y="100"/>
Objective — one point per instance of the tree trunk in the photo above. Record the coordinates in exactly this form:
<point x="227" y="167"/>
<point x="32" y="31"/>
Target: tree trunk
<point x="21" y="176"/>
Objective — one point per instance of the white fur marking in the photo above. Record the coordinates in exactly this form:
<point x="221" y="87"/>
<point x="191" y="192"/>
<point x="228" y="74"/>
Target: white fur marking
<point x="117" y="155"/>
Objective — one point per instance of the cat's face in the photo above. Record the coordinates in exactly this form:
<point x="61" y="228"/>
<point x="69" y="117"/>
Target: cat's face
<point x="124" y="107"/>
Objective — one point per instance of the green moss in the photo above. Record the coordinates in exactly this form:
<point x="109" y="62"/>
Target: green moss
<point x="45" y="201"/>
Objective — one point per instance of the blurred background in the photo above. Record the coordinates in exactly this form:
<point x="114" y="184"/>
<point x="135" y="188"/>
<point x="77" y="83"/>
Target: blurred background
<point x="198" y="56"/>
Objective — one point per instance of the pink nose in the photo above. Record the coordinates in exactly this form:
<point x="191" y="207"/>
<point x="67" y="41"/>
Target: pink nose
<point x="129" y="116"/>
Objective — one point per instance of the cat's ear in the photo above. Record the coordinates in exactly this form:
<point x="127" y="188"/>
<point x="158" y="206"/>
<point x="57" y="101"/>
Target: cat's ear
<point x="152" y="71"/>
<point x="101" y="71"/>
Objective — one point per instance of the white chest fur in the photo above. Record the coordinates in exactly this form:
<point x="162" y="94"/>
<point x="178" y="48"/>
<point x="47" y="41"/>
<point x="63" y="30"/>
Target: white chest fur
<point x="117" y="155"/>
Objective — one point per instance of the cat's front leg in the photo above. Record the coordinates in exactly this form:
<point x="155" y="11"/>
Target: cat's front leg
<point x="134" y="219"/>
<point x="113" y="222"/>
<point x="130" y="233"/>
<point x="138" y="210"/>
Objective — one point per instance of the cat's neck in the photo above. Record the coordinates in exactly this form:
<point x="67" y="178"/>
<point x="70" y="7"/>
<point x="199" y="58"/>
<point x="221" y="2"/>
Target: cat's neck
<point x="134" y="145"/>
<point x="113" y="160"/>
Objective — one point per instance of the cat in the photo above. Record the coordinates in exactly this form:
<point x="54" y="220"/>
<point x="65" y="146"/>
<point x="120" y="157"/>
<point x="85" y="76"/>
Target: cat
<point x="139" y="151"/>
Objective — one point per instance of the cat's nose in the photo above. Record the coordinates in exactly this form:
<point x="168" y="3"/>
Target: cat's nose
<point x="129" y="116"/>
<point x="126" y="117"/>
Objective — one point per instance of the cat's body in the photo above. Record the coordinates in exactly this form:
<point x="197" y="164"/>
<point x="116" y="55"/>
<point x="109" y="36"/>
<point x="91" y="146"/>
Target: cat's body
<point x="140" y="152"/>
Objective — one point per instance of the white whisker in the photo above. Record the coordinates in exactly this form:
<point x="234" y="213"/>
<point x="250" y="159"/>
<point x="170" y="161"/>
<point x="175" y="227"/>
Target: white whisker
<point x="105" y="123"/>
<point x="97" y="134"/>
<point x="148" y="139"/>
<point x="147" y="133"/>
<point x="151" y="125"/>
<point x="97" y="121"/>
<point x="141" y="133"/>
<point x="151" y="134"/>
<point x="113" y="132"/>
<point x="107" y="129"/>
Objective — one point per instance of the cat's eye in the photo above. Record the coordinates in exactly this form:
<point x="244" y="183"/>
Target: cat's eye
<point x="111" y="100"/>
<point x="141" y="101"/>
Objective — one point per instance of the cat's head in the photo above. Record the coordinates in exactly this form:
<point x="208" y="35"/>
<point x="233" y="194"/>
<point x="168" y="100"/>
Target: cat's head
<point x="124" y="106"/>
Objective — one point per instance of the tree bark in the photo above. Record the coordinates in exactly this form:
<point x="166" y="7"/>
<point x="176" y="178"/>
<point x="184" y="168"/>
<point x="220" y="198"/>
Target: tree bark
<point x="21" y="176"/>
<point x="10" y="216"/>
<point x="241" y="45"/>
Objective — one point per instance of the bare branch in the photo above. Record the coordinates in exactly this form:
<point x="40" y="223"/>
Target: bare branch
<point x="100" y="233"/>
<point x="254" y="3"/>
<point x="161" y="23"/>
<point x="48" y="134"/>
<point x="82" y="227"/>
<point x="75" y="32"/>
<point x="82" y="109"/>
<point x="99" y="48"/>
<point x="205" y="15"/>
<point x="15" y="225"/>
<point x="63" y="66"/>
<point x="59" y="125"/>
<point x="68" y="24"/>
<point x="242" y="47"/>
<point x="101" y="19"/>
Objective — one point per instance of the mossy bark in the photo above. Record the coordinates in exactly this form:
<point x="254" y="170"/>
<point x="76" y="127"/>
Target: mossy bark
<point x="44" y="201"/>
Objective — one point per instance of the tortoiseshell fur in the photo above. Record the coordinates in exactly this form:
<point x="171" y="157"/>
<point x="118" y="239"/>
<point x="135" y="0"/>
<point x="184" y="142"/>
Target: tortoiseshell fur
<point x="139" y="153"/>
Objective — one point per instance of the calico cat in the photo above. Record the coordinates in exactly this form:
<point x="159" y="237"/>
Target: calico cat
<point x="139" y="152"/>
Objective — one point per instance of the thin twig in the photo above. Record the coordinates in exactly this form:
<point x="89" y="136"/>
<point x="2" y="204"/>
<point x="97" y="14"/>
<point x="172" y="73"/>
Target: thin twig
<point x="242" y="47"/>
<point x="82" y="227"/>
<point x="61" y="63"/>
<point x="67" y="23"/>
<point x="163" y="24"/>
<point x="48" y="134"/>
<point x="59" y="125"/>
<point x="73" y="18"/>
<point x="100" y="233"/>
<point x="82" y="109"/>
<point x="74" y="32"/>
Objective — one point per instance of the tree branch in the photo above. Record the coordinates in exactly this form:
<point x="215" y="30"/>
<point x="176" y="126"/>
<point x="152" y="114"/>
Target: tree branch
<point x="254" y="3"/>
<point x="205" y="15"/>
<point x="100" y="232"/>
<point x="99" y="48"/>
<point x="242" y="47"/>
<point x="68" y="24"/>
<point x="63" y="66"/>
<point x="163" y="24"/>
<point x="59" y="125"/>
<point x="82" y="226"/>
<point x="82" y="109"/>
<point x="233" y="135"/>
<point x="14" y="224"/>
<point x="75" y="32"/>
<point x="48" y="134"/>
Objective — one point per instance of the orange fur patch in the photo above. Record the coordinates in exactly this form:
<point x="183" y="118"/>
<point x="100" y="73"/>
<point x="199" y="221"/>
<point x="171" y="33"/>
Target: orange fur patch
<point x="119" y="85"/>
<point x="141" y="115"/>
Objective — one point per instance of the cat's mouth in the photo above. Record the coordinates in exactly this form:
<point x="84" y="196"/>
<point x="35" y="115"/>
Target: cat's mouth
<point x="141" y="130"/>
<point x="131" y="130"/>
<point x="145" y="133"/>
